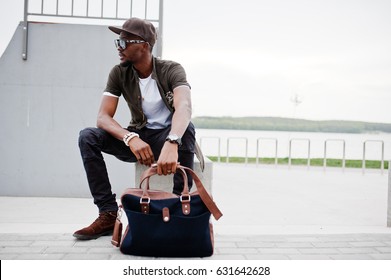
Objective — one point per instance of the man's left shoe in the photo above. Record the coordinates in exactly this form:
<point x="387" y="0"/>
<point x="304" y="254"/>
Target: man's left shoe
<point x="103" y="225"/>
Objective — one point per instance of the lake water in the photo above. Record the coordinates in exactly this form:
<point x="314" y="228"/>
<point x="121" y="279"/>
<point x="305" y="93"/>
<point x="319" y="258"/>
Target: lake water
<point x="215" y="141"/>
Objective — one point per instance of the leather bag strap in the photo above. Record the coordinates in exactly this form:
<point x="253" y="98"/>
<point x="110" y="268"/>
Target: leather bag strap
<point x="206" y="198"/>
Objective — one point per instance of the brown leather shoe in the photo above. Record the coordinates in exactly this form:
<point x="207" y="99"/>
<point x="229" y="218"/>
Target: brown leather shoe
<point x="103" y="225"/>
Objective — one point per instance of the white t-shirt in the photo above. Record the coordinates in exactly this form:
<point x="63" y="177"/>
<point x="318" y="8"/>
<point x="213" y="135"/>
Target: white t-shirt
<point x="157" y="113"/>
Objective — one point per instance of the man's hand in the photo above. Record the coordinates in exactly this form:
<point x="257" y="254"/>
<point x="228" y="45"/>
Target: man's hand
<point x="142" y="151"/>
<point x="168" y="159"/>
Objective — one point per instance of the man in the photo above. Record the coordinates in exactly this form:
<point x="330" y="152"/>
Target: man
<point x="158" y="96"/>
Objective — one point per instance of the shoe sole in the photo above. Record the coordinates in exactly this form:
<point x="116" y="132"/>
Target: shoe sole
<point x="91" y="237"/>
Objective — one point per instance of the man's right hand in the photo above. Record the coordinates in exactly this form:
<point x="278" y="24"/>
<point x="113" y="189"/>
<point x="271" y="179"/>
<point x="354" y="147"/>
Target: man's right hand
<point x="142" y="151"/>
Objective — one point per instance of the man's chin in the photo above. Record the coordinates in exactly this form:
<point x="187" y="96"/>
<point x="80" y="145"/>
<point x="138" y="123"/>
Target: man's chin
<point x="125" y="63"/>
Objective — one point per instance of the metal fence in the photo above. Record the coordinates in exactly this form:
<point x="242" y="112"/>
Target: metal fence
<point x="244" y="141"/>
<point x="101" y="10"/>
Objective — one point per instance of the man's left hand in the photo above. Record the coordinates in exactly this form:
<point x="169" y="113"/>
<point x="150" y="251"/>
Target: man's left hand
<point x="168" y="159"/>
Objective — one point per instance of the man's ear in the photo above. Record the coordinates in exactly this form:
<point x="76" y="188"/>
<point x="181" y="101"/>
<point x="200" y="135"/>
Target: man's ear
<point x="148" y="47"/>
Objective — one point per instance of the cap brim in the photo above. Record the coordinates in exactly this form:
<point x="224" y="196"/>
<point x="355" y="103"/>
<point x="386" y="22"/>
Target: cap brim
<point x="116" y="29"/>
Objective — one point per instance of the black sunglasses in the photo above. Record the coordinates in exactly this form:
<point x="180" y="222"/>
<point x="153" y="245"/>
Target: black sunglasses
<point x="123" y="43"/>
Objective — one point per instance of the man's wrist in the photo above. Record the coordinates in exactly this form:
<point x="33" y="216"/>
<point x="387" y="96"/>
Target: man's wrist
<point x="173" y="138"/>
<point x="129" y="136"/>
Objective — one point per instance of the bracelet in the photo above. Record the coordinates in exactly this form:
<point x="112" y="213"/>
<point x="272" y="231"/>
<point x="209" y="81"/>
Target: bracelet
<point x="129" y="136"/>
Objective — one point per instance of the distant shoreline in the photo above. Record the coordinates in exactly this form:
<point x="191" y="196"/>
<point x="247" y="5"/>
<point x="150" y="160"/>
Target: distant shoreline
<point x="289" y="124"/>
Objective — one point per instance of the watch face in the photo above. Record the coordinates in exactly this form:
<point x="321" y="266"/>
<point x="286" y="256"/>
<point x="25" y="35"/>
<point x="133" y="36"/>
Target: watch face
<point x="174" y="139"/>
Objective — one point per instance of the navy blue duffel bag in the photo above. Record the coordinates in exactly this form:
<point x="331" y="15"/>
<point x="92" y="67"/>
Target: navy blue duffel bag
<point x="162" y="224"/>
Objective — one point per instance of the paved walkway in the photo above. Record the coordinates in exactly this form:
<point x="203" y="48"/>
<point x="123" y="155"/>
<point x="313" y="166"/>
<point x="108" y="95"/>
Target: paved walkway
<point x="269" y="213"/>
<point x="227" y="247"/>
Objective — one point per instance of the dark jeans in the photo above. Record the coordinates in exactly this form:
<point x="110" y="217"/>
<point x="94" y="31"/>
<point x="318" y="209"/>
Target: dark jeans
<point x="94" y="141"/>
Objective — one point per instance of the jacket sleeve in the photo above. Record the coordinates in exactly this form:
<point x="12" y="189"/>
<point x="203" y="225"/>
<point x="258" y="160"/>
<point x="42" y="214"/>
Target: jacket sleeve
<point x="177" y="76"/>
<point x="113" y="84"/>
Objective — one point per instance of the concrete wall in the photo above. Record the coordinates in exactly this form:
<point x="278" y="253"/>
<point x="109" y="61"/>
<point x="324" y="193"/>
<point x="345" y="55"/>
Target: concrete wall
<point x="45" y="101"/>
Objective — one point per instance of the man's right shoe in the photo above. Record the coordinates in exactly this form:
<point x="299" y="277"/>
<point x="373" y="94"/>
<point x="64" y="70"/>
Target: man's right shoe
<point x="103" y="225"/>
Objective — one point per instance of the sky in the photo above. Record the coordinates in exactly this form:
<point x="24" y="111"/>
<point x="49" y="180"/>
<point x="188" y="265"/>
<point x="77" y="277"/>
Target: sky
<point x="310" y="59"/>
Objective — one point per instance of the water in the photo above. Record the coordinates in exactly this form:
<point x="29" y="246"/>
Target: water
<point x="302" y="144"/>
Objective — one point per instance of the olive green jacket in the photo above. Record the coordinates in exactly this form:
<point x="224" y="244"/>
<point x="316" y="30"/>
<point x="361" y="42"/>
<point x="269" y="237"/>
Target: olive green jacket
<point x="124" y="80"/>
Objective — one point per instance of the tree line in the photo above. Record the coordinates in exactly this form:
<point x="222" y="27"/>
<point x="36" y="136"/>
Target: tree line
<point x="290" y="124"/>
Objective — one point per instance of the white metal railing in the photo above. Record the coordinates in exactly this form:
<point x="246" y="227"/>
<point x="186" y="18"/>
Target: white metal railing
<point x="237" y="138"/>
<point x="343" y="151"/>
<point x="94" y="10"/>
<point x="382" y="154"/>
<point x="275" y="146"/>
<point x="308" y="141"/>
<point x="291" y="141"/>
<point x="218" y="145"/>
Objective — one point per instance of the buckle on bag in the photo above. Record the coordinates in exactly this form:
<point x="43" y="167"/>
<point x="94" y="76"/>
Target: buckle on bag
<point x="185" y="200"/>
<point x="144" y="202"/>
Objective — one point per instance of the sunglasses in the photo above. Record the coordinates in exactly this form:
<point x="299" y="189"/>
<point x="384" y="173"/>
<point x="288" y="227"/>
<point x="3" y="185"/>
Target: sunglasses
<point x="123" y="43"/>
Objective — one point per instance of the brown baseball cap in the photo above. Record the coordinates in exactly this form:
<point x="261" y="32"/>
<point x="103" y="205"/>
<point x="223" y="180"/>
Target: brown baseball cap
<point x="138" y="27"/>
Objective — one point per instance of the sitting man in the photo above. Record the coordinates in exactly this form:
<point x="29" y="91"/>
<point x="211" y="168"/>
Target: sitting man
<point x="158" y="97"/>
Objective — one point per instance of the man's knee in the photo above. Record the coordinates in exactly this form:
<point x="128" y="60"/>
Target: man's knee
<point x="90" y="139"/>
<point x="86" y="135"/>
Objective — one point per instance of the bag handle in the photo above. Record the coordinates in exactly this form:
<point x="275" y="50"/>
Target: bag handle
<point x="153" y="171"/>
<point x="204" y="195"/>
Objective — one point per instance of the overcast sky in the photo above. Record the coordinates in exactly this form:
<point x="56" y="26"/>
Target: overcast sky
<point x="256" y="58"/>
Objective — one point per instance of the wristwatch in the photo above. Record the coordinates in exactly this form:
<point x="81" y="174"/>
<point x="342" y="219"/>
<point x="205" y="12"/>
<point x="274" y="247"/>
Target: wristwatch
<point x="173" y="138"/>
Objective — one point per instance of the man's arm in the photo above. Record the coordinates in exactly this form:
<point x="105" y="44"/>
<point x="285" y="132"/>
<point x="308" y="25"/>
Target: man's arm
<point x="105" y="121"/>
<point x="180" y="121"/>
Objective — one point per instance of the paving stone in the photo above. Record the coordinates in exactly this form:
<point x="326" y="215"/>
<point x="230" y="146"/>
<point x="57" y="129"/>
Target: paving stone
<point x="236" y="251"/>
<point x="227" y="257"/>
<point x="367" y="244"/>
<point x="8" y="256"/>
<point x="294" y="245"/>
<point x="94" y="243"/>
<point x="66" y="250"/>
<point x="303" y="239"/>
<point x="121" y="256"/>
<point x="314" y="251"/>
<point x="330" y="244"/>
<point x="58" y="256"/>
<point x="377" y="237"/>
<point x="267" y="238"/>
<point x="384" y="249"/>
<point x="15" y="243"/>
<point x="225" y="244"/>
<point x="112" y="250"/>
<point x="86" y="257"/>
<point x="282" y="251"/>
<point x="255" y="244"/>
<point x="309" y="257"/>
<point x="337" y="238"/>
<point x="381" y="256"/>
<point x="266" y="257"/>
<point x="21" y="250"/>
<point x="351" y="257"/>
<point x="231" y="238"/>
<point x="53" y="243"/>
<point x="361" y="250"/>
